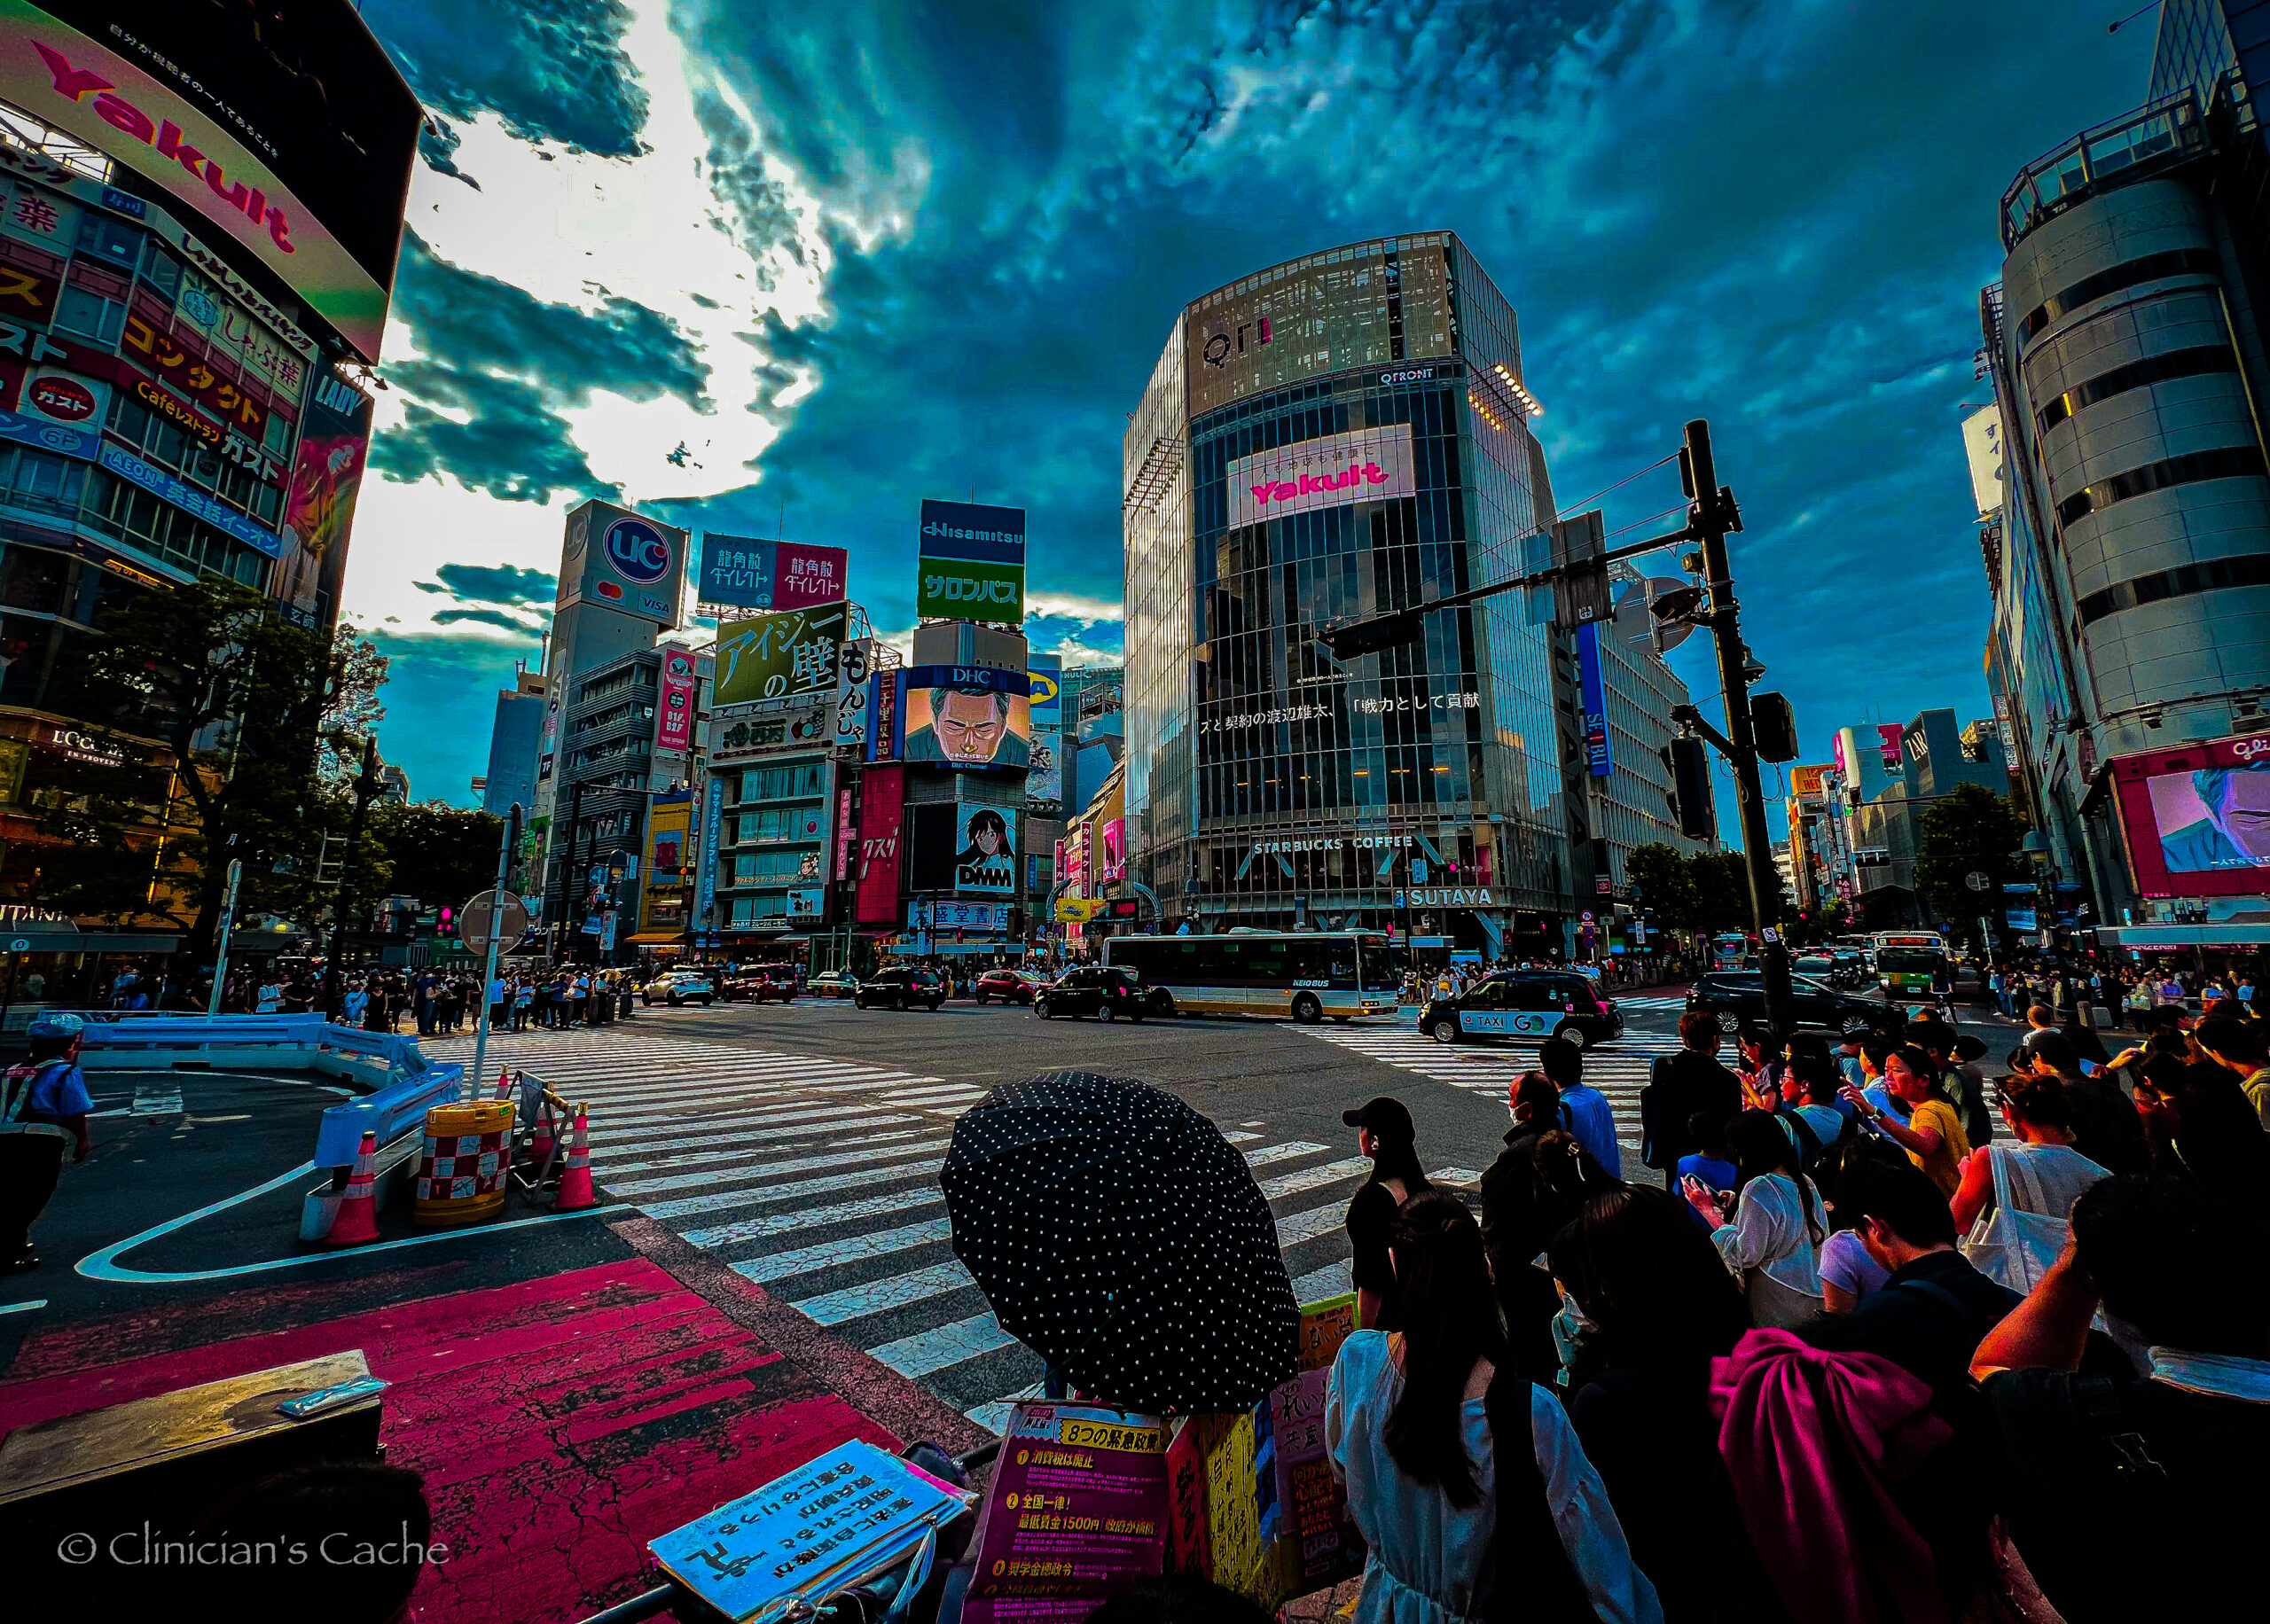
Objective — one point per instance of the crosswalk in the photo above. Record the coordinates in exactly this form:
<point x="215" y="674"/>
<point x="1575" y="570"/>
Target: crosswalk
<point x="1619" y="1070"/>
<point x="1649" y="1001"/>
<point x="818" y="1180"/>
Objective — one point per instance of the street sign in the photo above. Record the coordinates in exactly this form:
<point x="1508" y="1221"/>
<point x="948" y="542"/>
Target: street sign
<point x="1977" y="881"/>
<point x="486" y="916"/>
<point x="1079" y="910"/>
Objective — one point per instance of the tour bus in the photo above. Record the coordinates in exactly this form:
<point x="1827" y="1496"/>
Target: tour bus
<point x="1907" y="961"/>
<point x="1305" y="974"/>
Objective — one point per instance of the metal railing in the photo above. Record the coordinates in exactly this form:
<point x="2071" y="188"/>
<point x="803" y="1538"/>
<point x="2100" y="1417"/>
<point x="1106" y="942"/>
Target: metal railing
<point x="2156" y="136"/>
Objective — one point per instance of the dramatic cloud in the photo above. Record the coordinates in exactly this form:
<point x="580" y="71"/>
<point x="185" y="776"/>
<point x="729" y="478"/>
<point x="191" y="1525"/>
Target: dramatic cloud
<point x="492" y="584"/>
<point x="849" y="257"/>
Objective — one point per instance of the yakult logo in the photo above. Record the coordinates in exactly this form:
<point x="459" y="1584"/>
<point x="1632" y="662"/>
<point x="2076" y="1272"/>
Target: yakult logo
<point x="1309" y="485"/>
<point x="75" y="84"/>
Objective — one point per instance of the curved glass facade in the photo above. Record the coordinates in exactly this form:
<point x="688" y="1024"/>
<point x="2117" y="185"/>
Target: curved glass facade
<point x="1268" y="779"/>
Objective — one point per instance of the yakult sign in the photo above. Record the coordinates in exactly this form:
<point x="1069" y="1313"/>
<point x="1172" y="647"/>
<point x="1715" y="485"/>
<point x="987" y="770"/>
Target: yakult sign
<point x="1361" y="465"/>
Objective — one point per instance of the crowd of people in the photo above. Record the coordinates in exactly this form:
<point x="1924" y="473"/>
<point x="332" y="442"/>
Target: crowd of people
<point x="2110" y="996"/>
<point x="1891" y="1340"/>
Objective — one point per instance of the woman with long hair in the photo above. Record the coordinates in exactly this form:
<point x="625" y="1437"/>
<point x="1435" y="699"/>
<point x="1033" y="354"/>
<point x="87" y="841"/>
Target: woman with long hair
<point x="1412" y="1420"/>
<point x="1771" y="1231"/>
<point x="1385" y="1133"/>
<point x="2045" y="1173"/>
<point x="1659" y="1306"/>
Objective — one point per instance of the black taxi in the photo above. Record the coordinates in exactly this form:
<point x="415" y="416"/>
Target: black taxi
<point x="1535" y="1005"/>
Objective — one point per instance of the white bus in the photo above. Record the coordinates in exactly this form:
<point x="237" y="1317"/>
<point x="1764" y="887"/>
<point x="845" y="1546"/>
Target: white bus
<point x="1307" y="975"/>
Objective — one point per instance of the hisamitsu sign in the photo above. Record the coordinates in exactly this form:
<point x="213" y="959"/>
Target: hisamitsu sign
<point x="973" y="564"/>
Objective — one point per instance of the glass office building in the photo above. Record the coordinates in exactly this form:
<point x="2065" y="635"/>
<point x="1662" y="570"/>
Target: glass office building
<point x="1344" y="434"/>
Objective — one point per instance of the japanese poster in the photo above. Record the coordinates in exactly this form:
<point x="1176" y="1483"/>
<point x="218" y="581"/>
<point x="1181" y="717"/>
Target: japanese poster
<point x="1076" y="1511"/>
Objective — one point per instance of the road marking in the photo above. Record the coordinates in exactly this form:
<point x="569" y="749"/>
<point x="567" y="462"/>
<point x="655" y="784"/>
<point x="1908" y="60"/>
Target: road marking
<point x="729" y="1175"/>
<point x="836" y="1121"/>
<point x="858" y="1301"/>
<point x="821" y="1217"/>
<point x="1314" y="1178"/>
<point x="1286" y="1151"/>
<point x="930" y="1351"/>
<point x="728" y="1199"/>
<point x="695" y="1158"/>
<point x="877" y="1243"/>
<point x="1294" y="1228"/>
<point x="23" y="1308"/>
<point x="1333" y="1280"/>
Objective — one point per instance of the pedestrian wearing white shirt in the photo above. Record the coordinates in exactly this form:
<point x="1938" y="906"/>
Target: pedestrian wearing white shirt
<point x="1770" y="1231"/>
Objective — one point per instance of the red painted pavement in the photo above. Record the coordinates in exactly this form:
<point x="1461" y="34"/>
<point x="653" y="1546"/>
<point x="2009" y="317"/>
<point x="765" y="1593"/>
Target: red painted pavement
<point x="560" y="1423"/>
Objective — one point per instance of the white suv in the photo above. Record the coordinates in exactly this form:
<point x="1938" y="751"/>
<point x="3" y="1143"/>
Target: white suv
<point x="676" y="987"/>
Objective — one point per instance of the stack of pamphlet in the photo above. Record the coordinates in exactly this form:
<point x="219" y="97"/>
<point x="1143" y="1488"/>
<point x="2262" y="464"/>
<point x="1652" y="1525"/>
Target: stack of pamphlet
<point x="850" y="1514"/>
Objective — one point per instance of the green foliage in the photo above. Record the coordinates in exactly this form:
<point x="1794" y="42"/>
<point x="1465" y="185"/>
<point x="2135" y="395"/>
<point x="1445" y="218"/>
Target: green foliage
<point x="220" y="711"/>
<point x="1970" y="830"/>
<point x="443" y="856"/>
<point x="1660" y="881"/>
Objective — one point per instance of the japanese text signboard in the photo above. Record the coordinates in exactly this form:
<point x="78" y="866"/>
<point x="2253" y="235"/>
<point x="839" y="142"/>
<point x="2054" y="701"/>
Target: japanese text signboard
<point x="1076" y="1511"/>
<point x="784" y="655"/>
<point x="748" y="574"/>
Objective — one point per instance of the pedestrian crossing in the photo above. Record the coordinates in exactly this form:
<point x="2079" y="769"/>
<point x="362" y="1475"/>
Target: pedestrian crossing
<point x="817" y="1179"/>
<point x="1618" y="1070"/>
<point x="1649" y="1001"/>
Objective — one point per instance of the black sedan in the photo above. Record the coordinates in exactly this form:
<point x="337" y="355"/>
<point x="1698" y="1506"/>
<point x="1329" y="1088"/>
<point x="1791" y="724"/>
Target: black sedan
<point x="1738" y="996"/>
<point x="1104" y="990"/>
<point x="1533" y="1004"/>
<point x="898" y="986"/>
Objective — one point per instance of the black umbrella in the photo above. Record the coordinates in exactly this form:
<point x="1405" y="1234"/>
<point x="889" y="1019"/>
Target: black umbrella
<point x="1118" y="1236"/>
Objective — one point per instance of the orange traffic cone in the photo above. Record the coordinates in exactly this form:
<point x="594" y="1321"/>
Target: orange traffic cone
<point x="503" y="1082"/>
<point x="357" y="1220"/>
<point x="575" y="1191"/>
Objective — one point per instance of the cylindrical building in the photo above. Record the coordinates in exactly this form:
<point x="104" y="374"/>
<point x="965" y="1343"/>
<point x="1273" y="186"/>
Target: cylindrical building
<point x="1342" y="435"/>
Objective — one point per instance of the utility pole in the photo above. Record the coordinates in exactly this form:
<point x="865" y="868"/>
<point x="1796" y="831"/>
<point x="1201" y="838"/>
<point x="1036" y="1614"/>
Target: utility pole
<point x="228" y="922"/>
<point x="351" y="870"/>
<point x="488" y="972"/>
<point x="1712" y="517"/>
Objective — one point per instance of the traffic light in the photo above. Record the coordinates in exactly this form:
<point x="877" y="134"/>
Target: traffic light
<point x="1773" y="727"/>
<point x="1690" y="771"/>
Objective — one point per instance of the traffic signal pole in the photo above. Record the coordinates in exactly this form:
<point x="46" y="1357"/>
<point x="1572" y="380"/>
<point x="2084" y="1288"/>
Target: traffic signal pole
<point x="1713" y="516"/>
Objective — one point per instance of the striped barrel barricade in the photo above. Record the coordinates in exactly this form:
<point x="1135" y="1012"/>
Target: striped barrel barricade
<point x="462" y="1170"/>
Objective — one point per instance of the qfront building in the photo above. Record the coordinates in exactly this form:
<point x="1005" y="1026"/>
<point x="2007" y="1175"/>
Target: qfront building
<point x="1342" y="434"/>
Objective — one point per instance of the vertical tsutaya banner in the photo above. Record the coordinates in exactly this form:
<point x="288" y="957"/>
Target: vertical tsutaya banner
<point x="881" y="812"/>
<point x="1592" y="683"/>
<point x="987" y="857"/>
<point x="1044" y="779"/>
<point x="973" y="564"/>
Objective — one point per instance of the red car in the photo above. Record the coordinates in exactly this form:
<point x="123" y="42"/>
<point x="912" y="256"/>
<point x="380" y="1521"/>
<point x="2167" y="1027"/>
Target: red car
<point x="1009" y="986"/>
<point x="758" y="983"/>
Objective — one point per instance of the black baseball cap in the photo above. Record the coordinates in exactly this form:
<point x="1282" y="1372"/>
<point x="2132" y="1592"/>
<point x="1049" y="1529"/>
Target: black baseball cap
<point x="1387" y="1117"/>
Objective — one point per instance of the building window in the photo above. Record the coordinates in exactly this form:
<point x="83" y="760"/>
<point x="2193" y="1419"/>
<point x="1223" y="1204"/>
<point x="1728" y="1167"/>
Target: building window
<point x="2174" y="262"/>
<point x="2227" y="463"/>
<point x="2151" y="369"/>
<point x="79" y="312"/>
<point x="2251" y="570"/>
<point x="795" y="781"/>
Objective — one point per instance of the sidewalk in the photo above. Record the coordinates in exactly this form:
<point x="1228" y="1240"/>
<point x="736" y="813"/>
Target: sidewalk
<point x="560" y="1420"/>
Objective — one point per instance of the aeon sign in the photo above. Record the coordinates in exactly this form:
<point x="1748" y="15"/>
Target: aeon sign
<point x="1330" y="471"/>
<point x="638" y="551"/>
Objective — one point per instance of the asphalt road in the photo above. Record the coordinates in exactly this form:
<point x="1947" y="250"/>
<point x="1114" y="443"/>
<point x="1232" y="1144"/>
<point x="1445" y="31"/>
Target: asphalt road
<point x="799" y="1144"/>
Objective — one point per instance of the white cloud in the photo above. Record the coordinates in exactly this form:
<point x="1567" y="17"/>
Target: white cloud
<point x="1072" y="606"/>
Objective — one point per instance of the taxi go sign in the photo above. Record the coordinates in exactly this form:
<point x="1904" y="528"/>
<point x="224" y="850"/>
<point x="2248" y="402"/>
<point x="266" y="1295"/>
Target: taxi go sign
<point x="1079" y="910"/>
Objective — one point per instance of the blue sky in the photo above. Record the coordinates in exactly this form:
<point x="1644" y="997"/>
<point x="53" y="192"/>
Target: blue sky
<point x="852" y="257"/>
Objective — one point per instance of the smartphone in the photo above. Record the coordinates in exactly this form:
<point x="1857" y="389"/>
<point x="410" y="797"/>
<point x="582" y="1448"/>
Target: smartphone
<point x="331" y="1398"/>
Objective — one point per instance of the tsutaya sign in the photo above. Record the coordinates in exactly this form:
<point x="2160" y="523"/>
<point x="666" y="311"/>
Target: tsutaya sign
<point x="1330" y="471"/>
<point x="1447" y="896"/>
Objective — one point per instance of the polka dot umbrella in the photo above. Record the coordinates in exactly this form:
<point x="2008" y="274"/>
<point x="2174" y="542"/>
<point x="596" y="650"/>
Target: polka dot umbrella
<point x="1118" y="1236"/>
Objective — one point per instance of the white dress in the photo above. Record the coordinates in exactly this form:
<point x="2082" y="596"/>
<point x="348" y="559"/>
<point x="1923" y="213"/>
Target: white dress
<point x="1771" y="1249"/>
<point x="1430" y="1562"/>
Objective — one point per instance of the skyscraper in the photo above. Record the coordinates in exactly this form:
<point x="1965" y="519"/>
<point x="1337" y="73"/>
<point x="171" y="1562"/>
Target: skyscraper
<point x="1347" y="433"/>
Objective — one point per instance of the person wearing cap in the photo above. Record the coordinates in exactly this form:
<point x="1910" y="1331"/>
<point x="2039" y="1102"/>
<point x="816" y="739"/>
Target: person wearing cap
<point x="45" y="1106"/>
<point x="1386" y="1134"/>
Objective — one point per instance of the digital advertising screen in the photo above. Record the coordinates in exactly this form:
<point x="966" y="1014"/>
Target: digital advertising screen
<point x="286" y="130"/>
<point x="2197" y="820"/>
<point x="965" y="717"/>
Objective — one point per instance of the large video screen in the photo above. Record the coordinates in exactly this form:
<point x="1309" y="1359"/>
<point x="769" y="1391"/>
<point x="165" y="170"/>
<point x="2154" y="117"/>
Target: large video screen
<point x="2197" y="819"/>
<point x="285" y="127"/>
<point x="965" y="717"/>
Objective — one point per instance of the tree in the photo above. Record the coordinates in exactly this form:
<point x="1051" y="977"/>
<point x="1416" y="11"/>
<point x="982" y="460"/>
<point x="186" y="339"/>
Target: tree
<point x="1969" y="831"/>
<point x="442" y="855"/>
<point x="218" y="711"/>
<point x="1721" y="891"/>
<point x="1663" y="881"/>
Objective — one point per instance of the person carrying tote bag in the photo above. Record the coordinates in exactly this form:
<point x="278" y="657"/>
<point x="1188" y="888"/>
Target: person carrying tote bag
<point x="2034" y="1183"/>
